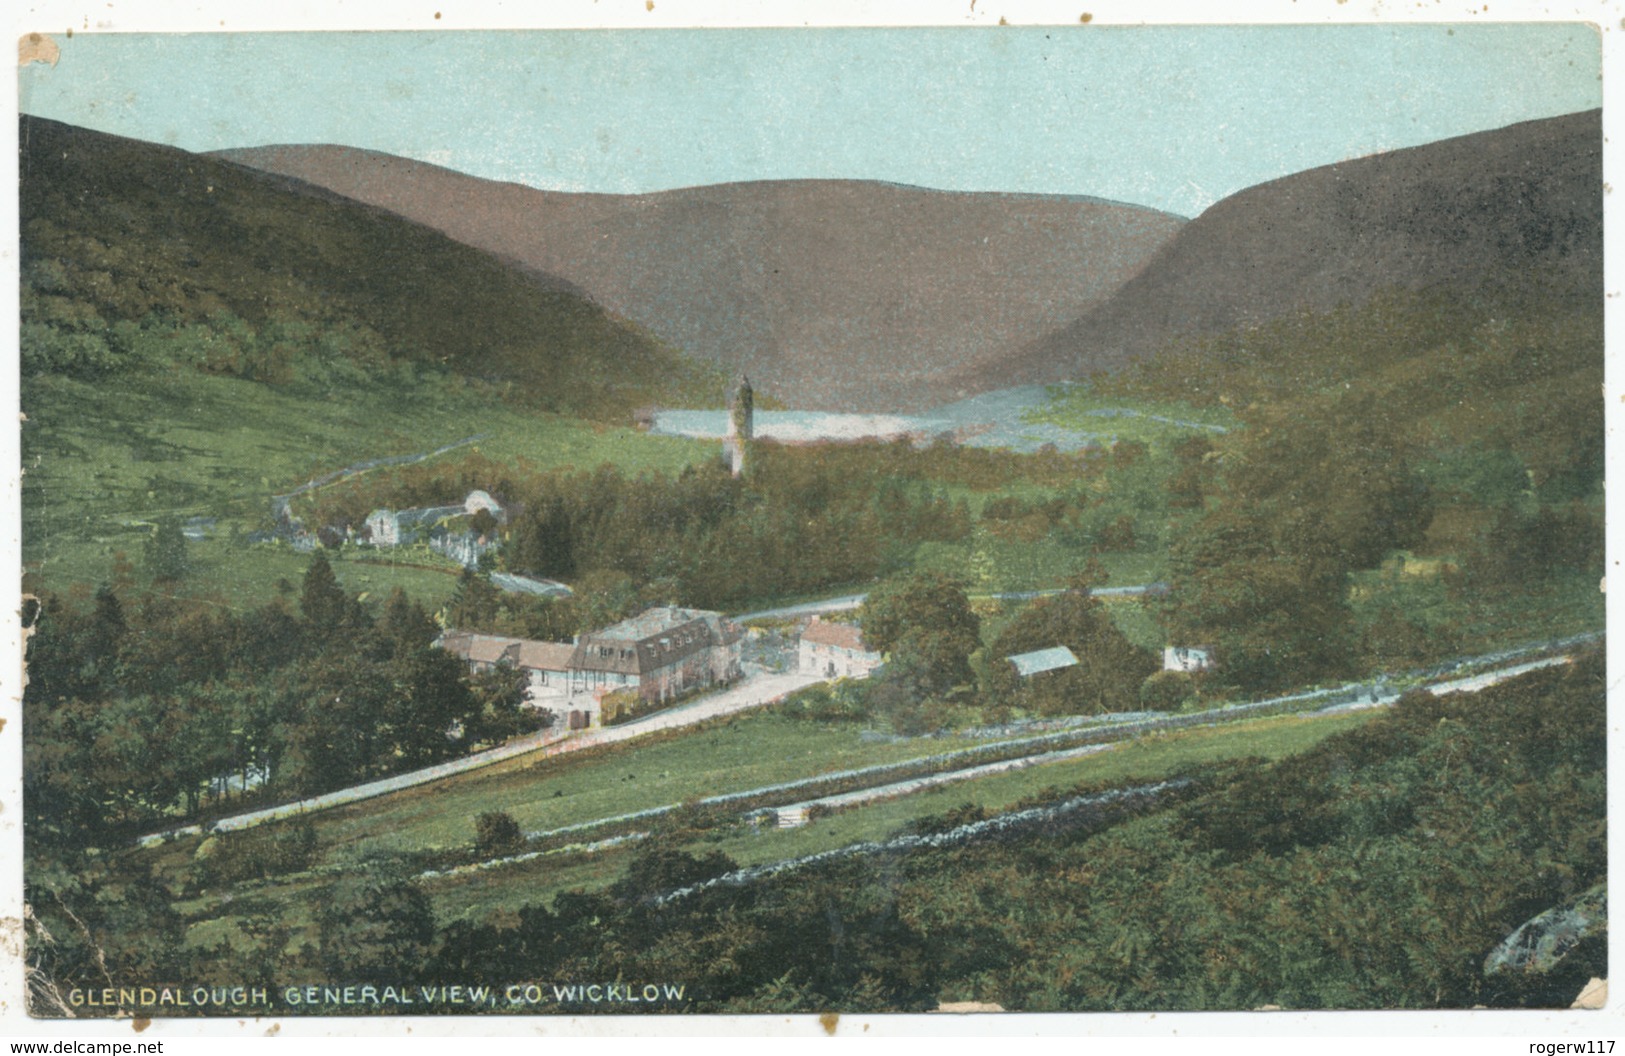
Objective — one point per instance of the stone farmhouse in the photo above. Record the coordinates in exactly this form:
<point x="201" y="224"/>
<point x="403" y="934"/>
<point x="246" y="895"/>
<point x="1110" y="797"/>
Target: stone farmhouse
<point x="545" y="664"/>
<point x="660" y="653"/>
<point x="835" y="650"/>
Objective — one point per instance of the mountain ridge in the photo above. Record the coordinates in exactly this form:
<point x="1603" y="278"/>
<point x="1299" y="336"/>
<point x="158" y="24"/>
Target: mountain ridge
<point x="831" y="294"/>
<point x="1514" y="209"/>
<point x="131" y="231"/>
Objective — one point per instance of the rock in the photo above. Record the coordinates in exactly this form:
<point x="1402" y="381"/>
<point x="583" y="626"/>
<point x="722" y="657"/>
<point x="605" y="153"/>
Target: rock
<point x="1541" y="942"/>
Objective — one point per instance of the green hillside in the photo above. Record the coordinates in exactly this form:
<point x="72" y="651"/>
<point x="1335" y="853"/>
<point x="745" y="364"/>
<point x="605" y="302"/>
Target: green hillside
<point x="133" y="251"/>
<point x="197" y="337"/>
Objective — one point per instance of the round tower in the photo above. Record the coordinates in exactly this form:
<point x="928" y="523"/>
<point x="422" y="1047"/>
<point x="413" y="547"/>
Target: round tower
<point x="741" y="425"/>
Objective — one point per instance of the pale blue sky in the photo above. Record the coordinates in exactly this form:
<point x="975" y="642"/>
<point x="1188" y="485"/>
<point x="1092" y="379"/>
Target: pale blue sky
<point x="1170" y="117"/>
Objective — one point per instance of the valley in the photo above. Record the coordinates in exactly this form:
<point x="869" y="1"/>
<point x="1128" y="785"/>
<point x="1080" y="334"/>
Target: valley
<point x="1093" y="609"/>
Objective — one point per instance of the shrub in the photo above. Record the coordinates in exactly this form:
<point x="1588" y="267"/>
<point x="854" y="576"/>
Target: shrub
<point x="1167" y="690"/>
<point x="497" y="835"/>
<point x="254" y="854"/>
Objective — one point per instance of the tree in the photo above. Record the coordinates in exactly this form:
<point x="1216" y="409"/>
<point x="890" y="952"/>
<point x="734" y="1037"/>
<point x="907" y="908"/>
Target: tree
<point x="374" y="929"/>
<point x="661" y="870"/>
<point x="541" y="539"/>
<point x="924" y="621"/>
<point x="1167" y="690"/>
<point x="336" y="721"/>
<point x="497" y="835"/>
<point x="499" y="706"/>
<point x="105" y="632"/>
<point x="1273" y="619"/>
<point x="1109" y="671"/>
<point x="165" y="552"/>
<point x="321" y="599"/>
<point x="482" y="522"/>
<point x="474" y="603"/>
<point x="431" y="699"/>
<point x="404" y="627"/>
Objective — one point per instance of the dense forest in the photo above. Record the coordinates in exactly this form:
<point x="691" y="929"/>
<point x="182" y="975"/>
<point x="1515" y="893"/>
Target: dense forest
<point x="803" y="520"/>
<point x="1465" y="430"/>
<point x="142" y="710"/>
<point x="1384" y="868"/>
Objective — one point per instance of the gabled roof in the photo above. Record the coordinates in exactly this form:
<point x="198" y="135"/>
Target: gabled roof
<point x="519" y="652"/>
<point x="489" y="649"/>
<point x="654" y="638"/>
<point x="1041" y="660"/>
<point x="843" y="635"/>
<point x="545" y="656"/>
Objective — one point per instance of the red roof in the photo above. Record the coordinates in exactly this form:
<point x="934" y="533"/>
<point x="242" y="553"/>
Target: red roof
<point x="844" y="635"/>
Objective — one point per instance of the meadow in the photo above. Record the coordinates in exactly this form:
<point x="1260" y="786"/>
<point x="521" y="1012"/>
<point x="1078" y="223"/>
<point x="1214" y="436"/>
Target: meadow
<point x="1122" y="417"/>
<point x="103" y="464"/>
<point x="741" y="753"/>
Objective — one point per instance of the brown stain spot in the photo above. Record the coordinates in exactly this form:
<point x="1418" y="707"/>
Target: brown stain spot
<point x="1086" y="18"/>
<point x="273" y="1030"/>
<point x="437" y="16"/>
<point x="829" y="1021"/>
<point x="648" y="5"/>
<point x="1003" y="21"/>
<point x="140" y="1023"/>
<point x="37" y="47"/>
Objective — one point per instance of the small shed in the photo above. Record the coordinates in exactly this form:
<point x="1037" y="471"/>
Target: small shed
<point x="1040" y="660"/>
<point x="1190" y="658"/>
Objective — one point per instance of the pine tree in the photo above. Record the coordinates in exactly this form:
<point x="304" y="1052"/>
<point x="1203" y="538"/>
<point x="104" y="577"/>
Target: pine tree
<point x="165" y="552"/>
<point x="322" y="600"/>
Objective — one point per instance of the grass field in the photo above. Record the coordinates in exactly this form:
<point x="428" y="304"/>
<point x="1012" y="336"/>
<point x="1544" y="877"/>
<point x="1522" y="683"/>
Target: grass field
<point x="477" y="894"/>
<point x="989" y="564"/>
<point x="103" y="463"/>
<point x="1078" y="406"/>
<point x="745" y="752"/>
<point x="750" y="751"/>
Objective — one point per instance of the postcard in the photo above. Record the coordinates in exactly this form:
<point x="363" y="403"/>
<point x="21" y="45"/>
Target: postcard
<point x="975" y="519"/>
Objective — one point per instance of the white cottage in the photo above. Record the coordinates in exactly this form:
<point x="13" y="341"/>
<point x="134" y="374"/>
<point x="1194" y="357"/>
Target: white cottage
<point x="835" y="650"/>
<point x="383" y="528"/>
